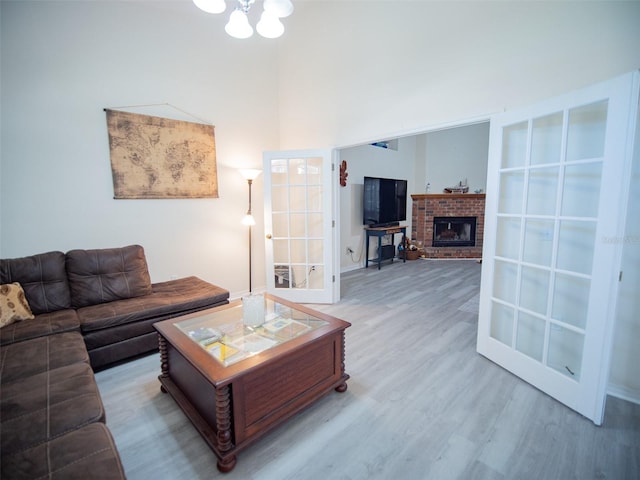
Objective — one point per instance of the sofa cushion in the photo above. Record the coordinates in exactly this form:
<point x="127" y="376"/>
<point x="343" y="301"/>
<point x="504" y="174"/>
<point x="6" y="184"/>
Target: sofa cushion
<point x="41" y="407"/>
<point x="88" y="452"/>
<point x="43" y="278"/>
<point x="13" y="304"/>
<point x="42" y="325"/>
<point x="40" y="354"/>
<point x="174" y="297"/>
<point x="106" y="275"/>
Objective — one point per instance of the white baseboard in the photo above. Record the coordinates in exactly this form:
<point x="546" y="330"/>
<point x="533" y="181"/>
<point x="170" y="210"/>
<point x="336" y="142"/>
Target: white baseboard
<point x="624" y="393"/>
<point x="350" y="268"/>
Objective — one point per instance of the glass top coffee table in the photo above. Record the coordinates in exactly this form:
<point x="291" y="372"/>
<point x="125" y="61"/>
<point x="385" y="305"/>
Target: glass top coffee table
<point x="237" y="372"/>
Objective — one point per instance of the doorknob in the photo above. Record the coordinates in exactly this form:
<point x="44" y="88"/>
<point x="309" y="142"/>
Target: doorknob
<point x="268" y="235"/>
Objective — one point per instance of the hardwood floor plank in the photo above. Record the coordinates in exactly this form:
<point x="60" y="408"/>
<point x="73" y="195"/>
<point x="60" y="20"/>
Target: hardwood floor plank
<point x="421" y="403"/>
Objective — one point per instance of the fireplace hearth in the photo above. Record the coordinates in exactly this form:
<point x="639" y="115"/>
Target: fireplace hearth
<point x="454" y="231"/>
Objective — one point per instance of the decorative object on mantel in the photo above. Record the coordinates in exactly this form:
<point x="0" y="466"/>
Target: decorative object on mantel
<point x="154" y="157"/>
<point x="238" y="26"/>
<point x="460" y="188"/>
<point x="343" y="173"/>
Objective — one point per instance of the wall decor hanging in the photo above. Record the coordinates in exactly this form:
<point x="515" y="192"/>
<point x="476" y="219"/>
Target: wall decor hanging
<point x="155" y="157"/>
<point x="343" y="173"/>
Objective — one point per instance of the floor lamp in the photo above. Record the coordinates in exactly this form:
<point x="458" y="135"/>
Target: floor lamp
<point x="249" y="175"/>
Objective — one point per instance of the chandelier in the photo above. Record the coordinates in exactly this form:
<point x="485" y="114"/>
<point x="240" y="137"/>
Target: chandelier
<point x="238" y="25"/>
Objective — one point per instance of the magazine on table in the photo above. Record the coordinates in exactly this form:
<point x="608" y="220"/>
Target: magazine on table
<point x="285" y="327"/>
<point x="205" y="335"/>
<point x="253" y="343"/>
<point x="223" y="353"/>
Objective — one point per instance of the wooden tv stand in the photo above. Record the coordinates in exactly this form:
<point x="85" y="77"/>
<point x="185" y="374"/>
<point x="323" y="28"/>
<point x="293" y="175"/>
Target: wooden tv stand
<point x="382" y="232"/>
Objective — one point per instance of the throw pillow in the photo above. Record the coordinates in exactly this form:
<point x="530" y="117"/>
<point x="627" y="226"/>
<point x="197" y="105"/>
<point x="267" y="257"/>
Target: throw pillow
<point x="13" y="304"/>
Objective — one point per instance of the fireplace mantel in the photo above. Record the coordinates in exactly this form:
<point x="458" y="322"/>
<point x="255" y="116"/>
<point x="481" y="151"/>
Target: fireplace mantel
<point x="426" y="206"/>
<point x="419" y="196"/>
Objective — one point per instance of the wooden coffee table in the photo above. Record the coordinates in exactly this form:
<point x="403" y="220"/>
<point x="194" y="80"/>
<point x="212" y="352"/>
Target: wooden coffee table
<point x="237" y="387"/>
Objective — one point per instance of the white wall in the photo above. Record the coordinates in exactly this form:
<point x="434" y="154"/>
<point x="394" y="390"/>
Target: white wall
<point x="62" y="63"/>
<point x="357" y="71"/>
<point x="370" y="161"/>
<point x="441" y="158"/>
<point x="344" y="74"/>
<point x="457" y="155"/>
<point x="624" y="380"/>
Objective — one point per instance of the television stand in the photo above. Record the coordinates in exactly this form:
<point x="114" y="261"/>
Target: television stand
<point x="382" y="232"/>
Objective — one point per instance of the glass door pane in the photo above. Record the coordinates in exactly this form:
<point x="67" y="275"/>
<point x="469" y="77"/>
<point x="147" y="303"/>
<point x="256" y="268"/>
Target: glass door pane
<point x="546" y="141"/>
<point x="298" y="225"/>
<point x="547" y="278"/>
<point x="297" y="220"/>
<point x="587" y="128"/>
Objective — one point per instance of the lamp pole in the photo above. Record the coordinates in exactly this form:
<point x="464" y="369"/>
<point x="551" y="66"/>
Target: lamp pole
<point x="250" y="182"/>
<point x="250" y="175"/>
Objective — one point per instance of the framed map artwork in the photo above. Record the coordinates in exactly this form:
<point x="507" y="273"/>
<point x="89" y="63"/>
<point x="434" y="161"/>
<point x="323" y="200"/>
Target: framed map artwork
<point x="154" y="157"/>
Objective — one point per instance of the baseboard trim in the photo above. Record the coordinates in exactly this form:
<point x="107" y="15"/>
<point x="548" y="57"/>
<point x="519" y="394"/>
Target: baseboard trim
<point x="623" y="393"/>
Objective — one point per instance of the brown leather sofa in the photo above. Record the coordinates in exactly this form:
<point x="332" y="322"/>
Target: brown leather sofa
<point x="92" y="308"/>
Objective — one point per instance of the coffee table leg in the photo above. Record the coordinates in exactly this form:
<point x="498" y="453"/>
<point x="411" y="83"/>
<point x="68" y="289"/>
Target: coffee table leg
<point x="164" y="360"/>
<point x="343" y="386"/>
<point x="223" y="427"/>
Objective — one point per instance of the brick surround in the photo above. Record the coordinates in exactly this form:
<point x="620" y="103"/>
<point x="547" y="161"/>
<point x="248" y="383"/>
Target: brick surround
<point x="427" y="206"/>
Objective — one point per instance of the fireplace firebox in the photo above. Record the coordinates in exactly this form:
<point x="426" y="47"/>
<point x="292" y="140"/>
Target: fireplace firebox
<point x="454" y="231"/>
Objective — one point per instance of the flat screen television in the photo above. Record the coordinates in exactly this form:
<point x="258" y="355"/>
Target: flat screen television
<point x="384" y="202"/>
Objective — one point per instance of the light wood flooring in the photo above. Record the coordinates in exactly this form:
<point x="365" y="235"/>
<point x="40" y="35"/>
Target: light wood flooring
<point x="421" y="403"/>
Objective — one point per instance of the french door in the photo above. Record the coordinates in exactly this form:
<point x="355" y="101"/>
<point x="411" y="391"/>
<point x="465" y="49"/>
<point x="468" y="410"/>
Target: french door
<point x="556" y="194"/>
<point x="300" y="226"/>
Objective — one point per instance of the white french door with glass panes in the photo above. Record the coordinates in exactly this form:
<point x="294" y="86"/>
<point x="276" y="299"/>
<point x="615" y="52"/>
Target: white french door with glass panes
<point x="300" y="229"/>
<point x="556" y="193"/>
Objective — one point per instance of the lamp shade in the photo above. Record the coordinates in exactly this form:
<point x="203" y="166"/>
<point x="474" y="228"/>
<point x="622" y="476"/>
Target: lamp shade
<point x="211" y="6"/>
<point x="270" y="25"/>
<point x="250" y="173"/>
<point x="238" y="25"/>
<point x="248" y="220"/>
<point x="280" y="8"/>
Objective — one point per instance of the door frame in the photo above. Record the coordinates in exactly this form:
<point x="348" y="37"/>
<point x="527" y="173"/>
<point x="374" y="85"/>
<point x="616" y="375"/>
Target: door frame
<point x="331" y="292"/>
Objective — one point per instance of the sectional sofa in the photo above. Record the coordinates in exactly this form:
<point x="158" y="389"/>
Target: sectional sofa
<point x="62" y="316"/>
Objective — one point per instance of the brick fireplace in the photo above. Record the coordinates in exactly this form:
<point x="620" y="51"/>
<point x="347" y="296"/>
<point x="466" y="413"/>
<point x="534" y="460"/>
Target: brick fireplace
<point x="458" y="208"/>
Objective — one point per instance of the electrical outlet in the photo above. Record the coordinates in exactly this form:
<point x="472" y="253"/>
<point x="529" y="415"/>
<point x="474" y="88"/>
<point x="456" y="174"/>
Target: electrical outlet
<point x="349" y="250"/>
<point x="313" y="268"/>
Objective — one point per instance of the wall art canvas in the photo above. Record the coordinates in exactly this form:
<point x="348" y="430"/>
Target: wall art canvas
<point x="154" y="157"/>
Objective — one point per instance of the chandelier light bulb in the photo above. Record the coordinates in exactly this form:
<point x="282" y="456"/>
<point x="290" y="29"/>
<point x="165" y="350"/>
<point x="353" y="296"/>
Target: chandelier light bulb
<point x="211" y="6"/>
<point x="270" y="25"/>
<point x="280" y="8"/>
<point x="238" y="26"/>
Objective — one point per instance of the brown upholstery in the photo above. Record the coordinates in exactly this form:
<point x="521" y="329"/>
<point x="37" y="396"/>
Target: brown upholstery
<point x="168" y="298"/>
<point x="44" y="324"/>
<point x="107" y="294"/>
<point x="86" y="453"/>
<point x="96" y="305"/>
<point x="120" y="325"/>
<point x="38" y="408"/>
<point x="22" y="359"/>
<point x="106" y="275"/>
<point x="43" y="278"/>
